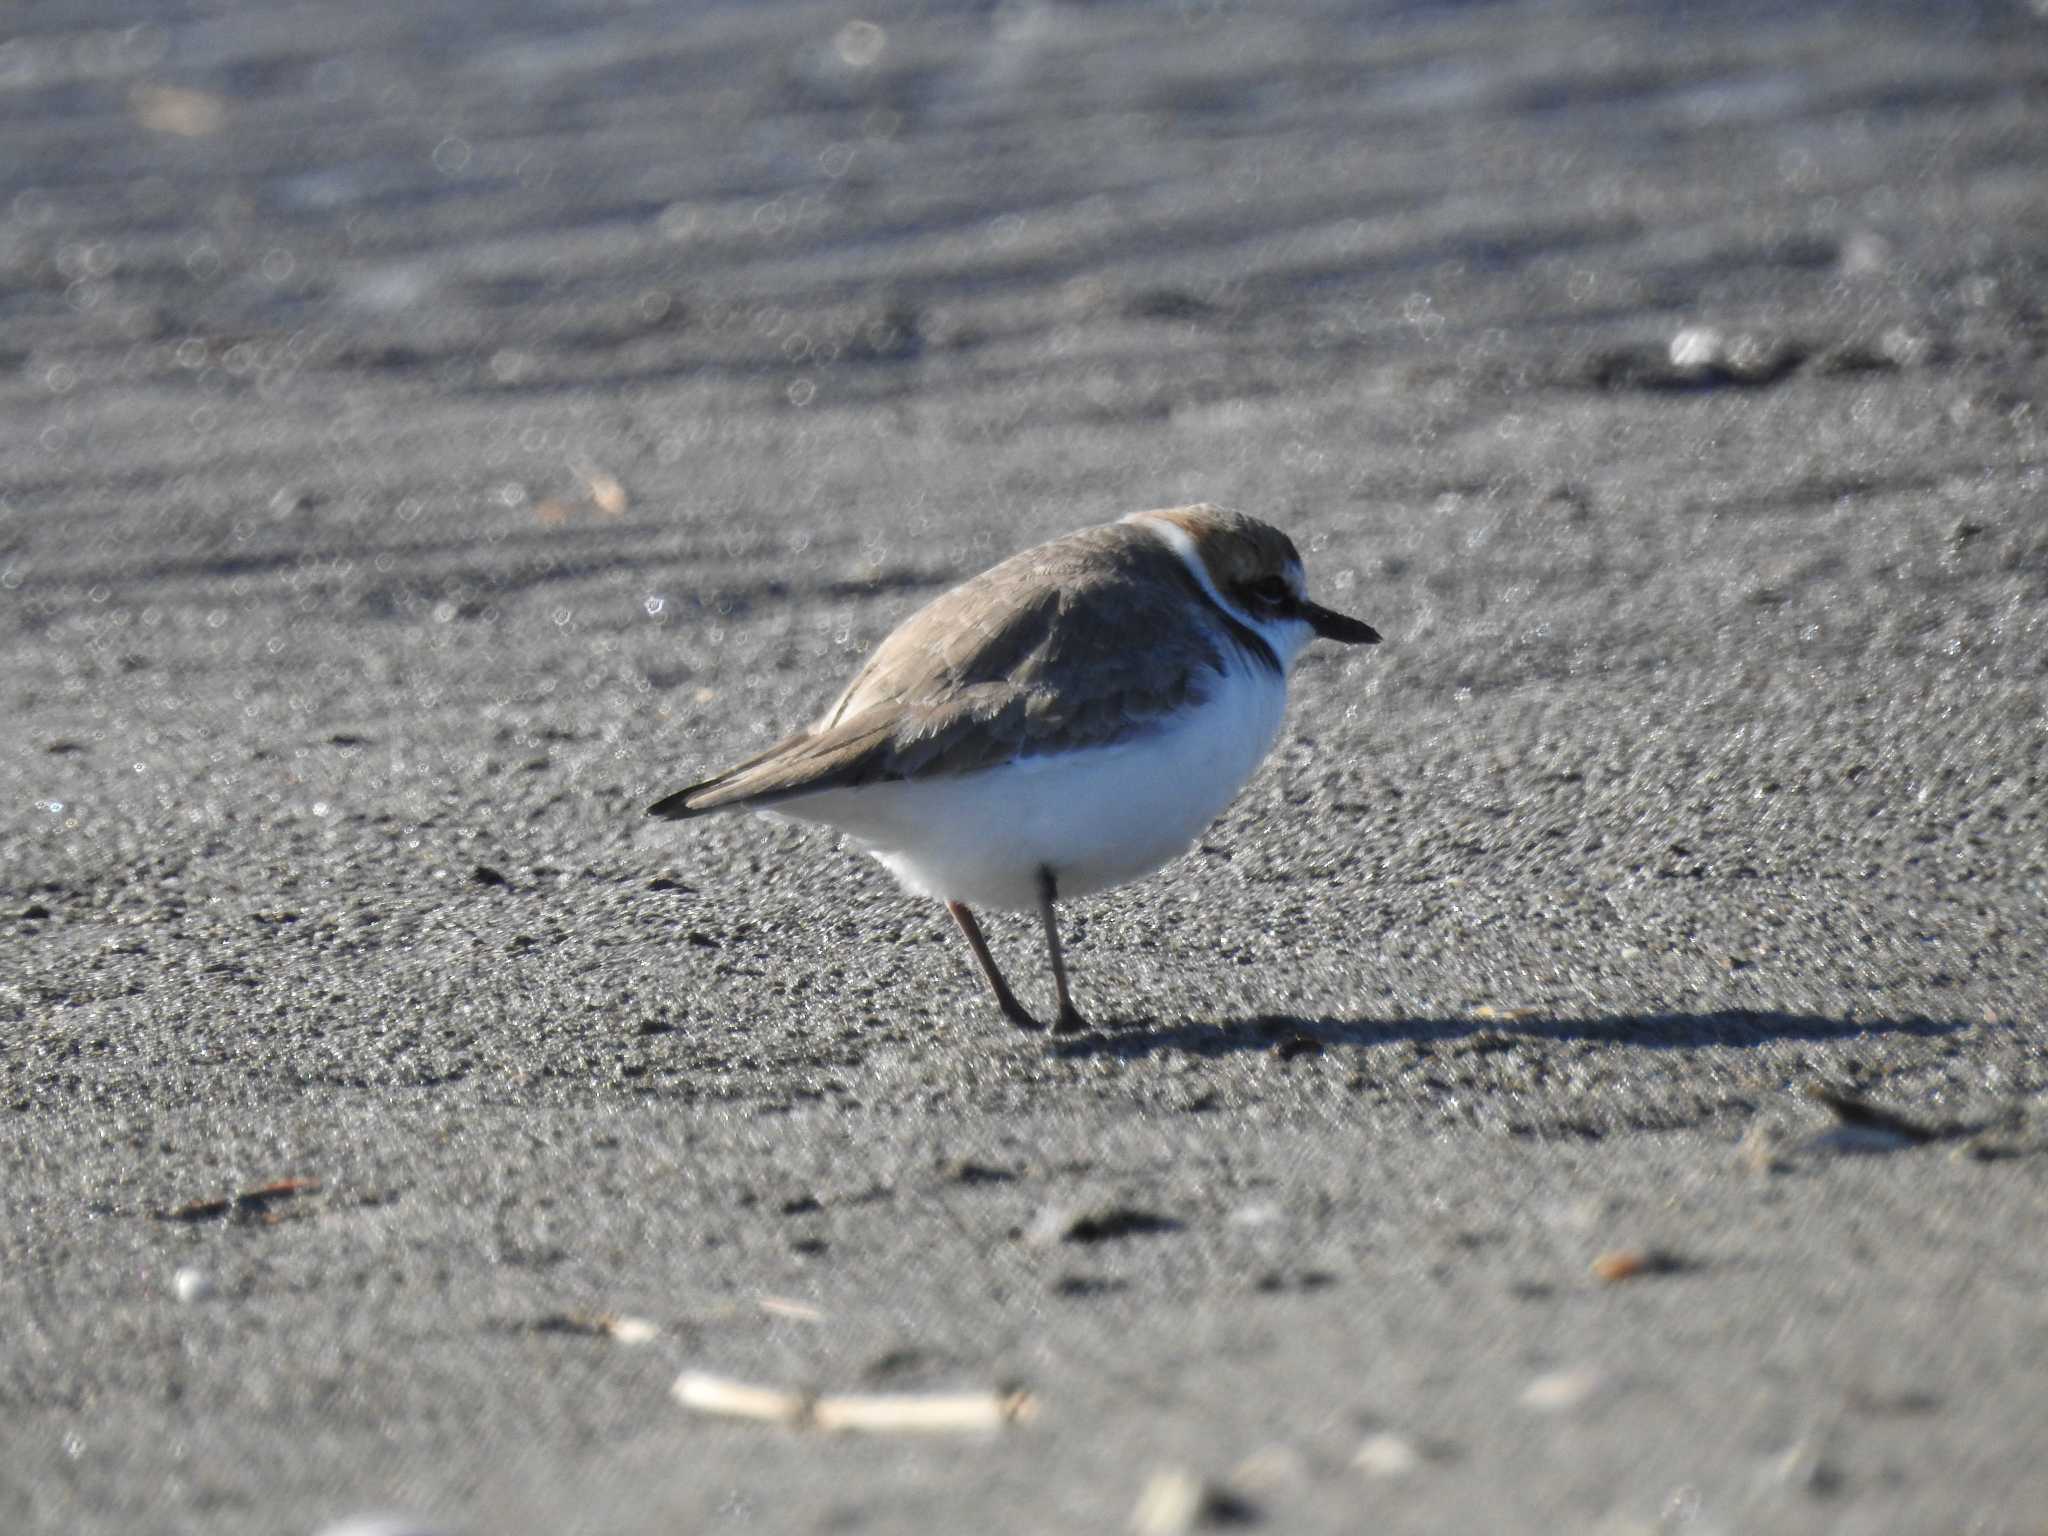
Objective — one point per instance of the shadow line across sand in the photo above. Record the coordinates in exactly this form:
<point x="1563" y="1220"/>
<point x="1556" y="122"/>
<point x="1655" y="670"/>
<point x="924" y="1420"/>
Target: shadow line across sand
<point x="1287" y="1034"/>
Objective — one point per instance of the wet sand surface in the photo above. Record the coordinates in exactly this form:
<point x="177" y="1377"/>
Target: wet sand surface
<point x="429" y="433"/>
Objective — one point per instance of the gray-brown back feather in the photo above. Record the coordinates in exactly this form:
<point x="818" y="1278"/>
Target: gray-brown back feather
<point x="1073" y="644"/>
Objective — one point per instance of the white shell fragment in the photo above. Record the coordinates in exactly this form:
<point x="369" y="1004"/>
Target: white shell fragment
<point x="738" y="1399"/>
<point x="384" y="1525"/>
<point x="1562" y="1391"/>
<point x="782" y="1306"/>
<point x="890" y="1413"/>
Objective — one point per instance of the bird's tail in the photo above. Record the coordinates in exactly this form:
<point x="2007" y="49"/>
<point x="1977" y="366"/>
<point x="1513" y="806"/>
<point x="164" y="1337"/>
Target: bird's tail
<point x="735" y="787"/>
<point x="677" y="807"/>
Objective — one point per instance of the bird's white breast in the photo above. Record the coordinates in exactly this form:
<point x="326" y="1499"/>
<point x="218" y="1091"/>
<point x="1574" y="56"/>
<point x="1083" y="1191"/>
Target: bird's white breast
<point x="1097" y="817"/>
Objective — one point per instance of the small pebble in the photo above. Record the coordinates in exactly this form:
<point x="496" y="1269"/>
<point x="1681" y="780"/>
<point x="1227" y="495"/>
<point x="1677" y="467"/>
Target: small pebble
<point x="1633" y="1263"/>
<point x="1177" y="1501"/>
<point x="1171" y="1504"/>
<point x="1561" y="1391"/>
<point x="632" y="1330"/>
<point x="1697" y="346"/>
<point x="192" y="1284"/>
<point x="1387" y="1455"/>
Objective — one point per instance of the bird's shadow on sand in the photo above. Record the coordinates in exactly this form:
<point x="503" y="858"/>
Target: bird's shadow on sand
<point x="1289" y="1035"/>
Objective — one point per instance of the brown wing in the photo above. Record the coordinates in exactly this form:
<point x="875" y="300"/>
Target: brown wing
<point x="1076" y="643"/>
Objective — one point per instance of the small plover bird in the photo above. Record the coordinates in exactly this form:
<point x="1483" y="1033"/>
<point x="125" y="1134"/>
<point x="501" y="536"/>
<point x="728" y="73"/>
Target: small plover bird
<point x="1064" y="722"/>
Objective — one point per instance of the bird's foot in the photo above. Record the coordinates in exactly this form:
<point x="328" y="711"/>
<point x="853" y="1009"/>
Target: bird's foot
<point x="1070" y="1021"/>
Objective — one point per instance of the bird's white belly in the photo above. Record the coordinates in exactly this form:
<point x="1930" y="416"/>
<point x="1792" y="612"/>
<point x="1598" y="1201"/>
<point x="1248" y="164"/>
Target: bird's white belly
<point x="1096" y="818"/>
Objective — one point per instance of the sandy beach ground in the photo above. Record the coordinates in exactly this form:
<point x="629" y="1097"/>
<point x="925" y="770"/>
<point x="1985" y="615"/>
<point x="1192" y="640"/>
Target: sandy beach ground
<point x="429" y="432"/>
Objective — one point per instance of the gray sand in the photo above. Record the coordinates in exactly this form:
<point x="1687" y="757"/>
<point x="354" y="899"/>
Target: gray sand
<point x="429" y="433"/>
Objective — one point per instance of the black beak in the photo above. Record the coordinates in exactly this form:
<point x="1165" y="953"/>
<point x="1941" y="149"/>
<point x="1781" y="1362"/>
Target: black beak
<point x="1337" y="626"/>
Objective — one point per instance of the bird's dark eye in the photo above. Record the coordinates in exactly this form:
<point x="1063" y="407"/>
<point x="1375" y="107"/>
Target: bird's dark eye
<point x="1271" y="592"/>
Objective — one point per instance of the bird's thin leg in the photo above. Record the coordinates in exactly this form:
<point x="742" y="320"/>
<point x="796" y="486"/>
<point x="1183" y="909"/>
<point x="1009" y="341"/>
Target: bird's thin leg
<point x="1006" y="1000"/>
<point x="1070" y="1018"/>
